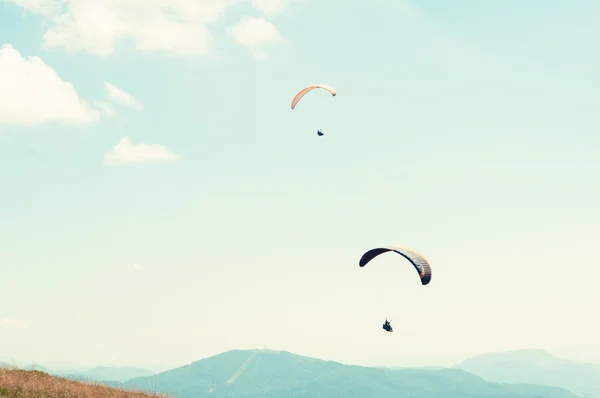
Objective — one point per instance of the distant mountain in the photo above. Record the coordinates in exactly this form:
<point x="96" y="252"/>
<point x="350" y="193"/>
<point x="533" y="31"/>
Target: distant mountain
<point x="537" y="367"/>
<point x="579" y="352"/>
<point x="111" y="376"/>
<point x="120" y="374"/>
<point x="420" y="367"/>
<point x="259" y="373"/>
<point x="83" y="379"/>
<point x="35" y="366"/>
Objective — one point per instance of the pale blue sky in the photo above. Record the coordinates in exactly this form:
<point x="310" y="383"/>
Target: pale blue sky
<point x="471" y="135"/>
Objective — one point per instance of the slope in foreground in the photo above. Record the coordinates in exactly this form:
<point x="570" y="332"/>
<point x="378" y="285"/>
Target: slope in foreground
<point x="17" y="383"/>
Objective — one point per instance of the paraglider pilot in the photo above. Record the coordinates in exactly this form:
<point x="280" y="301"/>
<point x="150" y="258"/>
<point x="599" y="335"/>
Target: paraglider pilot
<point x="387" y="326"/>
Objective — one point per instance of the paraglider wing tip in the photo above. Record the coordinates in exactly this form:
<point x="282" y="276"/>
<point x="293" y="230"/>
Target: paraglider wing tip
<point x="364" y="260"/>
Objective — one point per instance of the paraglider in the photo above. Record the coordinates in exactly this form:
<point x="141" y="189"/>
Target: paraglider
<point x="417" y="260"/>
<point x="303" y="92"/>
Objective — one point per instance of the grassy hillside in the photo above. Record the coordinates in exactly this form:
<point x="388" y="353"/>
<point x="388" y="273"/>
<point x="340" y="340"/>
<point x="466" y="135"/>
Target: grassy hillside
<point x="257" y="373"/>
<point x="536" y="367"/>
<point x="17" y="383"/>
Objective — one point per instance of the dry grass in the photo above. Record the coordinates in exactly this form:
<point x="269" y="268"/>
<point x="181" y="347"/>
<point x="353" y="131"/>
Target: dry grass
<point x="16" y="383"/>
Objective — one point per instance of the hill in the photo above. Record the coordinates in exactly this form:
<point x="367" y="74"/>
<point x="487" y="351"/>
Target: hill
<point x="17" y="383"/>
<point x="258" y="373"/>
<point x="537" y="367"/>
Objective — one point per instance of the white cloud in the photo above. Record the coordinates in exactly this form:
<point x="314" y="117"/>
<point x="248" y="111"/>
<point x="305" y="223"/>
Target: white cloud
<point x="173" y="26"/>
<point x="117" y="95"/>
<point x="13" y="323"/>
<point x="255" y="33"/>
<point x="32" y="93"/>
<point x="44" y="7"/>
<point x="270" y="6"/>
<point x="95" y="26"/>
<point x="127" y="153"/>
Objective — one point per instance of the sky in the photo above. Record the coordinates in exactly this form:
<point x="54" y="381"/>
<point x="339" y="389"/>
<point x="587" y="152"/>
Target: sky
<point x="162" y="203"/>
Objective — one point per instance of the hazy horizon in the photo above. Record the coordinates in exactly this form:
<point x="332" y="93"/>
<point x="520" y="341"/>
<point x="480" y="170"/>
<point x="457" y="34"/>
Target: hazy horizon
<point x="468" y="134"/>
<point x="587" y="354"/>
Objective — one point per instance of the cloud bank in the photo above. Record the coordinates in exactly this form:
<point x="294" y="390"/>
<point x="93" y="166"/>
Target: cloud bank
<point x="256" y="33"/>
<point x="178" y="27"/>
<point x="33" y="93"/>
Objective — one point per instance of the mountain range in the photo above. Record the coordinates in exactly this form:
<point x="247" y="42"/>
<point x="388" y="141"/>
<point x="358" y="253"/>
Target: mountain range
<point x="281" y="374"/>
<point x="536" y="367"/>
